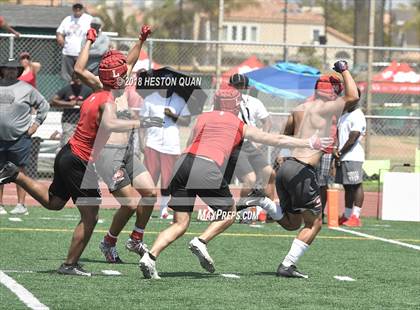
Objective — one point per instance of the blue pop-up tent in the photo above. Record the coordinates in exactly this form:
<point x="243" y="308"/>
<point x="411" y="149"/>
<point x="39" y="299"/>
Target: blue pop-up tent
<point x="285" y="79"/>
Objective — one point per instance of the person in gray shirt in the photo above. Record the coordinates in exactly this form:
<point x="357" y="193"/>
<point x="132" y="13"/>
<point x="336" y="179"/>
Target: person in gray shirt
<point x="17" y="99"/>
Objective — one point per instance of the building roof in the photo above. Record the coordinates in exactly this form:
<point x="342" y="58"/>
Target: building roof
<point x="342" y="36"/>
<point x="34" y="15"/>
<point x="272" y="11"/>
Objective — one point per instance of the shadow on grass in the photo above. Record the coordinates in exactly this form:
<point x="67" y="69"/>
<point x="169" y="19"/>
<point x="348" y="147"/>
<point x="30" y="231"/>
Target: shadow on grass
<point x="265" y="273"/>
<point x="98" y="261"/>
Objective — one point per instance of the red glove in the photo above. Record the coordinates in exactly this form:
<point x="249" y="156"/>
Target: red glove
<point x="320" y="144"/>
<point x="146" y="30"/>
<point x="91" y="35"/>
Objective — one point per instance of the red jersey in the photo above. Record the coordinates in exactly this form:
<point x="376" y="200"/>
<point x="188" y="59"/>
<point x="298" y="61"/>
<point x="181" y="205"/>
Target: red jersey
<point x="215" y="135"/>
<point x="29" y="78"/>
<point x="86" y="142"/>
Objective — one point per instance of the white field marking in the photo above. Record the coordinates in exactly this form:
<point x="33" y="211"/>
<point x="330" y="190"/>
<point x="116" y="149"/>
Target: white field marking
<point x="230" y="275"/>
<point x="18" y="271"/>
<point x="255" y="225"/>
<point x="382" y="225"/>
<point x="111" y="272"/>
<point x="407" y="245"/>
<point x="100" y="221"/>
<point x="344" y="278"/>
<point x="58" y="218"/>
<point x="15" y="219"/>
<point x="22" y="293"/>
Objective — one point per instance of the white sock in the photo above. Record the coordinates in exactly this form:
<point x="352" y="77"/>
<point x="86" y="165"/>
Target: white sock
<point x="164" y="204"/>
<point x="347" y="212"/>
<point x="356" y="211"/>
<point x="297" y="249"/>
<point x="273" y="210"/>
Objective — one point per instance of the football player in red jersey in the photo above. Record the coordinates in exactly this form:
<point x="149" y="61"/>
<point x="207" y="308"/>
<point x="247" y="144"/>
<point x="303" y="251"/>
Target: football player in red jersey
<point x="198" y="172"/>
<point x="74" y="174"/>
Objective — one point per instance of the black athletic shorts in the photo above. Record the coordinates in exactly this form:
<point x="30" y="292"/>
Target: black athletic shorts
<point x="198" y="176"/>
<point x="75" y="178"/>
<point x="297" y="187"/>
<point x="245" y="159"/>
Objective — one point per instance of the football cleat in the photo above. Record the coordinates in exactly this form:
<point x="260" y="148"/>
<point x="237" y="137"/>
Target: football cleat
<point x="353" y="221"/>
<point x="20" y="209"/>
<point x="110" y="253"/>
<point x="73" y="270"/>
<point x="2" y="210"/>
<point x="136" y="246"/>
<point x="199" y="249"/>
<point x="254" y="198"/>
<point x="166" y="216"/>
<point x="290" y="272"/>
<point x="8" y="173"/>
<point x="148" y="267"/>
<point x="342" y="219"/>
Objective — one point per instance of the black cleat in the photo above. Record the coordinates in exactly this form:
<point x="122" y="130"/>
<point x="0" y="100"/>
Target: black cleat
<point x="290" y="272"/>
<point x="73" y="270"/>
<point x="8" y="173"/>
<point x="253" y="199"/>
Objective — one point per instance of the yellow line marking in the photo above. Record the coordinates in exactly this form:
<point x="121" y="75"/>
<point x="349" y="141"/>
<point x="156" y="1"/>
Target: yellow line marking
<point x="195" y="233"/>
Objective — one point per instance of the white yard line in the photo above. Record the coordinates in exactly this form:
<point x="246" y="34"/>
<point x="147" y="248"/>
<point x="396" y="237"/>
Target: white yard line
<point x="230" y="275"/>
<point x="407" y="245"/>
<point x="22" y="293"/>
<point x="344" y="278"/>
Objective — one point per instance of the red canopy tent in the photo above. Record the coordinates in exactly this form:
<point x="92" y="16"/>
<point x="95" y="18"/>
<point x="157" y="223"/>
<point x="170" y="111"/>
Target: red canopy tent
<point x="251" y="64"/>
<point x="397" y="78"/>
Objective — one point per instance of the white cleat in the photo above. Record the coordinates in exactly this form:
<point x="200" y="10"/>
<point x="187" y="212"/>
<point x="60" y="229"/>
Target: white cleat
<point x="148" y="267"/>
<point x="166" y="216"/>
<point x="199" y="249"/>
<point x="20" y="209"/>
<point x="136" y="246"/>
<point x="2" y="210"/>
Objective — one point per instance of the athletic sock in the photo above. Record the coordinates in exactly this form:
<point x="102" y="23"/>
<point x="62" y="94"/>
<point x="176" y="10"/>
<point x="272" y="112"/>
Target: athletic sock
<point x="137" y="233"/>
<point x="357" y="211"/>
<point x="164" y="204"/>
<point x="272" y="209"/>
<point x="110" y="239"/>
<point x="297" y="249"/>
<point x="347" y="212"/>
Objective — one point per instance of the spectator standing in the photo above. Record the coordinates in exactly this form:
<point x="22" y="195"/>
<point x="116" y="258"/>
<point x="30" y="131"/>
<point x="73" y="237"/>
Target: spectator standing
<point x="98" y="48"/>
<point x="69" y="36"/>
<point x="70" y="98"/>
<point x="349" y="160"/>
<point x="30" y="69"/>
<point x="17" y="98"/>
<point x="162" y="145"/>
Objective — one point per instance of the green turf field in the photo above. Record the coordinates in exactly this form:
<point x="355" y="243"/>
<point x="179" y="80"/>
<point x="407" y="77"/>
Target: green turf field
<point x="387" y="276"/>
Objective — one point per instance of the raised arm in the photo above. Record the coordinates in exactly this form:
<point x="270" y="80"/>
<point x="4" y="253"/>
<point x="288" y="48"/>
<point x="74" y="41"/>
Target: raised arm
<point x="85" y="75"/>
<point x="134" y="53"/>
<point x="351" y="95"/>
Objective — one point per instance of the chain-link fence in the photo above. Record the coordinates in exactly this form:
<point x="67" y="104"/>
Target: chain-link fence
<point x="393" y="127"/>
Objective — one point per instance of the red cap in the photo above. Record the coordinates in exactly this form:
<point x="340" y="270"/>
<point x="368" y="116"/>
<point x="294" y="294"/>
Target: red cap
<point x="112" y="69"/>
<point x="228" y="100"/>
<point x="328" y="86"/>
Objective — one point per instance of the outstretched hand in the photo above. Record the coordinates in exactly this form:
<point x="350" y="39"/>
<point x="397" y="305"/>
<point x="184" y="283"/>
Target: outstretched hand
<point x="340" y="66"/>
<point x="317" y="143"/>
<point x="91" y="35"/>
<point x="146" y="30"/>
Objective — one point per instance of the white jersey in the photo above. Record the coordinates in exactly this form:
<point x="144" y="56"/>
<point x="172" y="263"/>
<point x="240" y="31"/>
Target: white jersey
<point x="165" y="139"/>
<point x="353" y="121"/>
<point x="74" y="30"/>
<point x="252" y="110"/>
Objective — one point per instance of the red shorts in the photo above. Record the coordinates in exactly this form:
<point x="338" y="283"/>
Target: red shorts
<point x="159" y="164"/>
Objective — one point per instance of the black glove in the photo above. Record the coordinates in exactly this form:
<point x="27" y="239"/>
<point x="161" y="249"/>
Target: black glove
<point x="146" y="122"/>
<point x="340" y="66"/>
